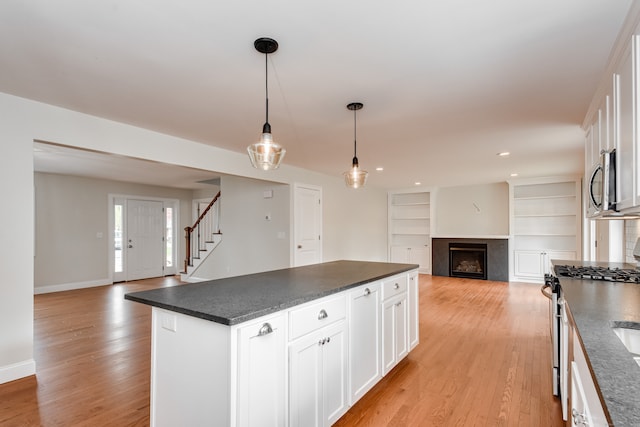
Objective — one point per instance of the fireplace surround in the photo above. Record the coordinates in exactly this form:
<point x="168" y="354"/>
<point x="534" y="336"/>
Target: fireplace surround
<point x="497" y="262"/>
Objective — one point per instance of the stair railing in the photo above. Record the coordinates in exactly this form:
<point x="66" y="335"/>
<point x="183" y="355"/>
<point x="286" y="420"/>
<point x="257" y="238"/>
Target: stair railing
<point x="201" y="231"/>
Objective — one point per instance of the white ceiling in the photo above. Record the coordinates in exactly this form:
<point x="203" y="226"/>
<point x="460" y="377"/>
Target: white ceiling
<point x="446" y="85"/>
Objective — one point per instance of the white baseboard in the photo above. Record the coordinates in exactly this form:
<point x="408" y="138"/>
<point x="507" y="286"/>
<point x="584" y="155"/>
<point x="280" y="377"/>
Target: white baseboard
<point x="193" y="279"/>
<point x="70" y="286"/>
<point x="17" y="371"/>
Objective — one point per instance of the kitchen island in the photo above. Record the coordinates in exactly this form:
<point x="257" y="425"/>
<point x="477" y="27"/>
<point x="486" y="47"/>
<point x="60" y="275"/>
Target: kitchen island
<point x="296" y="346"/>
<point x="595" y="306"/>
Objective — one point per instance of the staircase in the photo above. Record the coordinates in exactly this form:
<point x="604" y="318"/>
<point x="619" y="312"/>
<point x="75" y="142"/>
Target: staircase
<point x="201" y="240"/>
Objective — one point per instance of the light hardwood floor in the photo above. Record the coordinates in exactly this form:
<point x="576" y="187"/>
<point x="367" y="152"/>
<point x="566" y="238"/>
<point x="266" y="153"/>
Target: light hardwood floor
<point x="483" y="360"/>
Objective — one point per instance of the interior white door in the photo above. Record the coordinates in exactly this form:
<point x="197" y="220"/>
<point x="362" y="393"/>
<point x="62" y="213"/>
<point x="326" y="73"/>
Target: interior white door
<point x="145" y="239"/>
<point x="307" y="225"/>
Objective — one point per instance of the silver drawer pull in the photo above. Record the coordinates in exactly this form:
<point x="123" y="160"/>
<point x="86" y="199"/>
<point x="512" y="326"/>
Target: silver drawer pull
<point x="322" y="315"/>
<point x="367" y="291"/>
<point x="265" y="330"/>
<point x="396" y="286"/>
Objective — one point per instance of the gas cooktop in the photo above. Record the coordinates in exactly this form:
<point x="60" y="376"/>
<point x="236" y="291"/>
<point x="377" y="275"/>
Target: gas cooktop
<point x="599" y="273"/>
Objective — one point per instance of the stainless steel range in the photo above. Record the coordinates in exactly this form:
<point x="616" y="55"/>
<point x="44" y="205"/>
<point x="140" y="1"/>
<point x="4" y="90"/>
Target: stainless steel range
<point x="598" y="273"/>
<point x="559" y="331"/>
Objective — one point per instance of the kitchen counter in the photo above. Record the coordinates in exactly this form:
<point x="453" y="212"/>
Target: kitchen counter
<point x="594" y="304"/>
<point x="238" y="299"/>
<point x="252" y="349"/>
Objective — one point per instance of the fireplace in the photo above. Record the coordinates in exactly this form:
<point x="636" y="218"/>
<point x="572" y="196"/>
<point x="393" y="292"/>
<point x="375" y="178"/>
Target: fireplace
<point x="468" y="260"/>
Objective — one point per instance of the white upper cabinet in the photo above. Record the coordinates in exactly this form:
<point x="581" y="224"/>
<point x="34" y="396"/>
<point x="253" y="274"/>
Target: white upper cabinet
<point x="625" y="135"/>
<point x="614" y="120"/>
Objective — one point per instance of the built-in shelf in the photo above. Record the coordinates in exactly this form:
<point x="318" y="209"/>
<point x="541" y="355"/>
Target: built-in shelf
<point x="545" y="222"/>
<point x="409" y="228"/>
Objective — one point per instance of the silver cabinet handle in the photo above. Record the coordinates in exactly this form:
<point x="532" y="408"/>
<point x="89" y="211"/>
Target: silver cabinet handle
<point x="322" y="315"/>
<point x="399" y="303"/>
<point x="367" y="291"/>
<point x="266" y="329"/>
<point x="323" y="341"/>
<point x="578" y="418"/>
<point x="396" y="286"/>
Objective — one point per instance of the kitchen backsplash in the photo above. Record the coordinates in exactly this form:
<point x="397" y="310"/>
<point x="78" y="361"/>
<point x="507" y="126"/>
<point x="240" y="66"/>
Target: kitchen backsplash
<point x="631" y="234"/>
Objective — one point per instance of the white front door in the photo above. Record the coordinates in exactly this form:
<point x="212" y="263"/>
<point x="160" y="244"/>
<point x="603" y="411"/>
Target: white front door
<point x="145" y="239"/>
<point x="307" y="225"/>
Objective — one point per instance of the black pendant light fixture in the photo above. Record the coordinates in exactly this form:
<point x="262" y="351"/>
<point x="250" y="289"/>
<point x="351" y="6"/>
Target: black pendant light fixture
<point x="266" y="154"/>
<point x="355" y="177"/>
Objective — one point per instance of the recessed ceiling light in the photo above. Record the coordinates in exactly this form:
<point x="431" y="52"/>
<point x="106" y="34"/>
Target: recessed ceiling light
<point x="503" y="153"/>
<point x="418" y="183"/>
<point x="514" y="174"/>
<point x="379" y="169"/>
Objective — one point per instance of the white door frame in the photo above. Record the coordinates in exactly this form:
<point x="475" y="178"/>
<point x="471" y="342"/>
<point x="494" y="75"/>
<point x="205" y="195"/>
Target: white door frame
<point x="294" y="228"/>
<point x="176" y="238"/>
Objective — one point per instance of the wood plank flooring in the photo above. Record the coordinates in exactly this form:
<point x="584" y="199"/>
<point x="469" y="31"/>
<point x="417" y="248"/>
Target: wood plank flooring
<point x="483" y="360"/>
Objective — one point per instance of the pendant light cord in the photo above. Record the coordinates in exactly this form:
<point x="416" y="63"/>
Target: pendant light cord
<point x="266" y="86"/>
<point x="355" y="127"/>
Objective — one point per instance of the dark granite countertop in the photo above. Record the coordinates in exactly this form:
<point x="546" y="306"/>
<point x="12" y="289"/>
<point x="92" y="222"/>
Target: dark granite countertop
<point x="594" y="305"/>
<point x="237" y="299"/>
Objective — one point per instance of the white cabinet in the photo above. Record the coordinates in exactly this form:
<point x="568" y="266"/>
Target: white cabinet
<point x="410" y="223"/>
<point x="411" y="255"/>
<point x="364" y="340"/>
<point x="318" y="364"/>
<point x="600" y="137"/>
<point x="414" y="310"/>
<point x="613" y="123"/>
<point x="545" y="224"/>
<point x="395" y="331"/>
<point x="590" y="164"/>
<point x="302" y="366"/>
<point x="586" y="408"/>
<point x="262" y="373"/>
<point x="535" y="264"/>
<point x="625" y="104"/>
<point x="203" y="372"/>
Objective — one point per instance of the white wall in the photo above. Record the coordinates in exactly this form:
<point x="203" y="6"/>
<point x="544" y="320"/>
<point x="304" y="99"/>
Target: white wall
<point x="16" y="250"/>
<point x="70" y="211"/>
<point x="354" y="222"/>
<point x="250" y="243"/>
<point x="631" y="235"/>
<point x="475" y="210"/>
<point x="362" y="215"/>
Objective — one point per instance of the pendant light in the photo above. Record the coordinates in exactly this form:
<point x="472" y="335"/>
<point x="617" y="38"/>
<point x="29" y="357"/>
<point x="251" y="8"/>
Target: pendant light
<point x="266" y="154"/>
<point x="355" y="177"/>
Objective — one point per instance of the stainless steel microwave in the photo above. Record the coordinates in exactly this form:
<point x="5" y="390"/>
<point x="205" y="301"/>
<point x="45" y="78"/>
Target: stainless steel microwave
<point x="602" y="185"/>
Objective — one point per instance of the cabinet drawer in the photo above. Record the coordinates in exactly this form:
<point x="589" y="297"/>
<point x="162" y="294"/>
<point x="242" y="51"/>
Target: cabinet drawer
<point x="316" y="315"/>
<point x="394" y="286"/>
